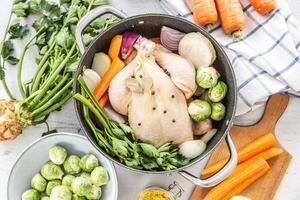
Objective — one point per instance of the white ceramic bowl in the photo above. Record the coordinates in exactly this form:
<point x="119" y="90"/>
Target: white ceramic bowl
<point x="35" y="155"/>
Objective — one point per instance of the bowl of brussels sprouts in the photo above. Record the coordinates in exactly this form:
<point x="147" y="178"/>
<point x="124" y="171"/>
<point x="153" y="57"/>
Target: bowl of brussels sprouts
<point x="62" y="166"/>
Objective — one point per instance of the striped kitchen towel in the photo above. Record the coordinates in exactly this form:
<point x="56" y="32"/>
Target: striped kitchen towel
<point x="266" y="58"/>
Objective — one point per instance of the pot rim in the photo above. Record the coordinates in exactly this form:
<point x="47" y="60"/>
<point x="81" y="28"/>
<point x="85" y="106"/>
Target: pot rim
<point x="229" y="121"/>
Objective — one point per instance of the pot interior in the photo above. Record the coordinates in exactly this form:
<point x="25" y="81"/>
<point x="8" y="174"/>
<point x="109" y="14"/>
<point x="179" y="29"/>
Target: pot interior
<point x="149" y="25"/>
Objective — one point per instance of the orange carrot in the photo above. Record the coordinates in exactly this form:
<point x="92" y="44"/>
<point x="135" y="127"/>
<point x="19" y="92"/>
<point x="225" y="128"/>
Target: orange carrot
<point x="270" y="153"/>
<point x="156" y="40"/>
<point x="115" y="46"/>
<point x="232" y="16"/>
<point x="220" y="191"/>
<point x="103" y="100"/>
<point x="263" y="7"/>
<point x="255" y="147"/>
<point x="241" y="187"/>
<point x="205" y="12"/>
<point x="115" y="67"/>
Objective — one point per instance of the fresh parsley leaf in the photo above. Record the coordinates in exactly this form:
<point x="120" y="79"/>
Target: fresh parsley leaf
<point x="18" y="1"/>
<point x="11" y="60"/>
<point x="51" y="10"/>
<point x="20" y="9"/>
<point x="87" y="39"/>
<point x="8" y="49"/>
<point x="34" y="6"/>
<point x="18" y="31"/>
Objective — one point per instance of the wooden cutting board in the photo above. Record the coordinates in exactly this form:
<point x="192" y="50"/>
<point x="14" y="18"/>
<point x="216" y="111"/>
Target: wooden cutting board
<point x="265" y="187"/>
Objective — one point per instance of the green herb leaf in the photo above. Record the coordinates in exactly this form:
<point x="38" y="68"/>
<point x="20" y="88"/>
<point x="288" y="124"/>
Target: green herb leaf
<point x="12" y="60"/>
<point x="34" y="6"/>
<point x="18" y="1"/>
<point x="120" y="147"/>
<point x="20" y="9"/>
<point x="149" y="150"/>
<point x="18" y="31"/>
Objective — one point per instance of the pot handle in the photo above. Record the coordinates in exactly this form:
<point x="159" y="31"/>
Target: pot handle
<point x="220" y="175"/>
<point x="90" y="17"/>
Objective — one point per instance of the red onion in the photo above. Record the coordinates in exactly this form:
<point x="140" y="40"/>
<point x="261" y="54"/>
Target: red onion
<point x="170" y="38"/>
<point x="128" y="40"/>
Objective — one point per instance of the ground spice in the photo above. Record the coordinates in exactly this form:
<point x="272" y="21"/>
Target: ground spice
<point x="154" y="194"/>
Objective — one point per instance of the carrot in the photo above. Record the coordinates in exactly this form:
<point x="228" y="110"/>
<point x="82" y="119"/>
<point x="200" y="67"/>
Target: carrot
<point x="156" y="40"/>
<point x="241" y="187"/>
<point x="257" y="146"/>
<point x="115" y="46"/>
<point x="263" y="7"/>
<point x="268" y="154"/>
<point x="115" y="67"/>
<point x="103" y="100"/>
<point x="232" y="16"/>
<point x="220" y="191"/>
<point x="205" y="12"/>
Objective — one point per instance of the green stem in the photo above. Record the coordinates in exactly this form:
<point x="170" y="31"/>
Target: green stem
<point x="236" y="34"/>
<point x="52" y="92"/>
<point x="86" y="103"/>
<point x="5" y="33"/>
<point x="53" y="99"/>
<point x="20" y="64"/>
<point x="7" y="89"/>
<point x="54" y="106"/>
<point x="51" y="78"/>
<point x="40" y="69"/>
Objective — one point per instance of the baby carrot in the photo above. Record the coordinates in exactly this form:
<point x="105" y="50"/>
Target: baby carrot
<point x="205" y="12"/>
<point x="232" y="17"/>
<point x="263" y="7"/>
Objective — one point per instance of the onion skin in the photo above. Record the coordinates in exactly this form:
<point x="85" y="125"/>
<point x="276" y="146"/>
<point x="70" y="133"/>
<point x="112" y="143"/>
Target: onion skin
<point x="128" y="40"/>
<point x="170" y="38"/>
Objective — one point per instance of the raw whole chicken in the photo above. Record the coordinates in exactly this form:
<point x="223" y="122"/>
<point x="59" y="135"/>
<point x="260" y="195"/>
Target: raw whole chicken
<point x="154" y="96"/>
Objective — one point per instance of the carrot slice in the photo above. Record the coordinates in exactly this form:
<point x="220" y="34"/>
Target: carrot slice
<point x="115" y="46"/>
<point x="264" y="7"/>
<point x="255" y="147"/>
<point x="116" y="66"/>
<point x="241" y="187"/>
<point x="232" y="16"/>
<point x="104" y="99"/>
<point x="205" y="12"/>
<point x="229" y="184"/>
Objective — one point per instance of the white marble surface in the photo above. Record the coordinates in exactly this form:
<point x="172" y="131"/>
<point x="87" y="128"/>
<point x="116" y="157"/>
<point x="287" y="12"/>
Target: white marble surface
<point x="287" y="129"/>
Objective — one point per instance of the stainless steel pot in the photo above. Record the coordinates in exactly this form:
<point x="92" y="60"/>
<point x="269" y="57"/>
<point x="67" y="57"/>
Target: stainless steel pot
<point x="149" y="25"/>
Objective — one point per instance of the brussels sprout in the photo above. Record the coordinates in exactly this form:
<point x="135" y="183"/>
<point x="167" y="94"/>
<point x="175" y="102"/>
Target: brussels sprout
<point x="218" y="111"/>
<point x="205" y="97"/>
<point x="68" y="180"/>
<point x="31" y="194"/>
<point x="39" y="183"/>
<point x="71" y="165"/>
<point x="199" y="110"/>
<point x="88" y="162"/>
<point x="45" y="198"/>
<point x="94" y="193"/>
<point x="77" y="197"/>
<point x="51" y="171"/>
<point x="51" y="185"/>
<point x="81" y="186"/>
<point x="57" y="154"/>
<point x="99" y="176"/>
<point x="218" y="92"/>
<point x="61" y="192"/>
<point x="85" y="175"/>
<point x="207" y="77"/>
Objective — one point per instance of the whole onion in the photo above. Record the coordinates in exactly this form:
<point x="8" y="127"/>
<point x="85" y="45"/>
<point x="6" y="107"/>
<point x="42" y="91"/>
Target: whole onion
<point x="170" y="38"/>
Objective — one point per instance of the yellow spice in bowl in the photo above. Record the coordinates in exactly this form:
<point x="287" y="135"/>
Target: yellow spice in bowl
<point x="154" y="194"/>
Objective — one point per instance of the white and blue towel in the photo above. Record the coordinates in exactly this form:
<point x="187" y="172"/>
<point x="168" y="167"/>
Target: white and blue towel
<point x="265" y="59"/>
